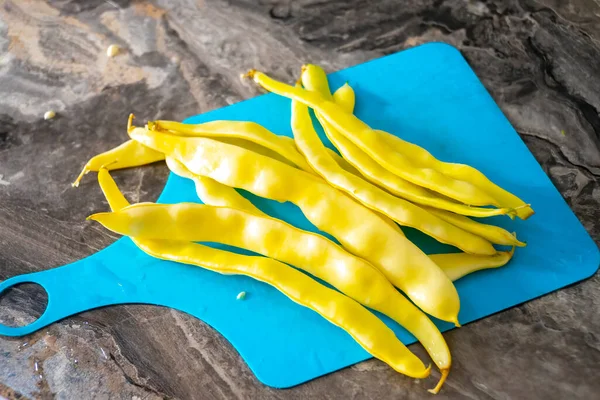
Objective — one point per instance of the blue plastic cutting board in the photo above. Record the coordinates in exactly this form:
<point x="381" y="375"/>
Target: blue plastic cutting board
<point x="428" y="95"/>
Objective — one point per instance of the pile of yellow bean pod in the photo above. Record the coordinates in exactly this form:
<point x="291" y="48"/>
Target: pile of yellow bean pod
<point x="362" y="199"/>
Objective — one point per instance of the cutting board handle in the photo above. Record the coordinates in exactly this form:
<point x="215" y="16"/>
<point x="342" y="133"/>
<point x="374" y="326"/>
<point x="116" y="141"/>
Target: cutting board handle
<point x="85" y="284"/>
<point x="43" y="320"/>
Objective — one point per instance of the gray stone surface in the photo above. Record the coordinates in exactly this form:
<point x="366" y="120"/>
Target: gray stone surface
<point x="540" y="60"/>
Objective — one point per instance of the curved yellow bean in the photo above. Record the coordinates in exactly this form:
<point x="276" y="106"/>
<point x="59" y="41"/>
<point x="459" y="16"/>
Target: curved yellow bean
<point x="360" y="230"/>
<point x="399" y="210"/>
<point x="113" y="195"/>
<point x="128" y="154"/>
<point x="457" y="265"/>
<point x="273" y="238"/>
<point x="493" y="233"/>
<point x="364" y="327"/>
<point x="283" y="146"/>
<point x="314" y="78"/>
<point x="420" y="156"/>
<point x="249" y="131"/>
<point x="379" y="176"/>
<point x="344" y="96"/>
<point x="362" y="135"/>
<point x="212" y="192"/>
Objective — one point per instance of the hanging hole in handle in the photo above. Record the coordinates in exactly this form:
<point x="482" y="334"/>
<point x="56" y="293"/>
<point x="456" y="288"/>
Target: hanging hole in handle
<point x="22" y="304"/>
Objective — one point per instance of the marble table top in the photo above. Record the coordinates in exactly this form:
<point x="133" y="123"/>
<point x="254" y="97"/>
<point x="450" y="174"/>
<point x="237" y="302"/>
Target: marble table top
<point x="539" y="58"/>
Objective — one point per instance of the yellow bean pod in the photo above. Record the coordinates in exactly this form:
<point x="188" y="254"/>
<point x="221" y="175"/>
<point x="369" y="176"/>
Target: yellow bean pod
<point x="493" y="233"/>
<point x="113" y="195"/>
<point x="399" y="210"/>
<point x="126" y="155"/>
<point x="378" y="175"/>
<point x="212" y="192"/>
<point x="381" y="177"/>
<point x="457" y="265"/>
<point x="344" y="96"/>
<point x="360" y="230"/>
<point x="249" y="131"/>
<point x="422" y="157"/>
<point x="363" y="136"/>
<point x="284" y="146"/>
<point x="273" y="238"/>
<point x="314" y="78"/>
<point x="364" y="327"/>
<point x="216" y="194"/>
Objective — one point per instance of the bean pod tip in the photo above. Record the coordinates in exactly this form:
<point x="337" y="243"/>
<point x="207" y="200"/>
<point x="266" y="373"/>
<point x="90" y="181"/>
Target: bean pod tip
<point x="250" y="74"/>
<point x="436" y="389"/>
<point x="130" y="126"/>
<point x="83" y="172"/>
